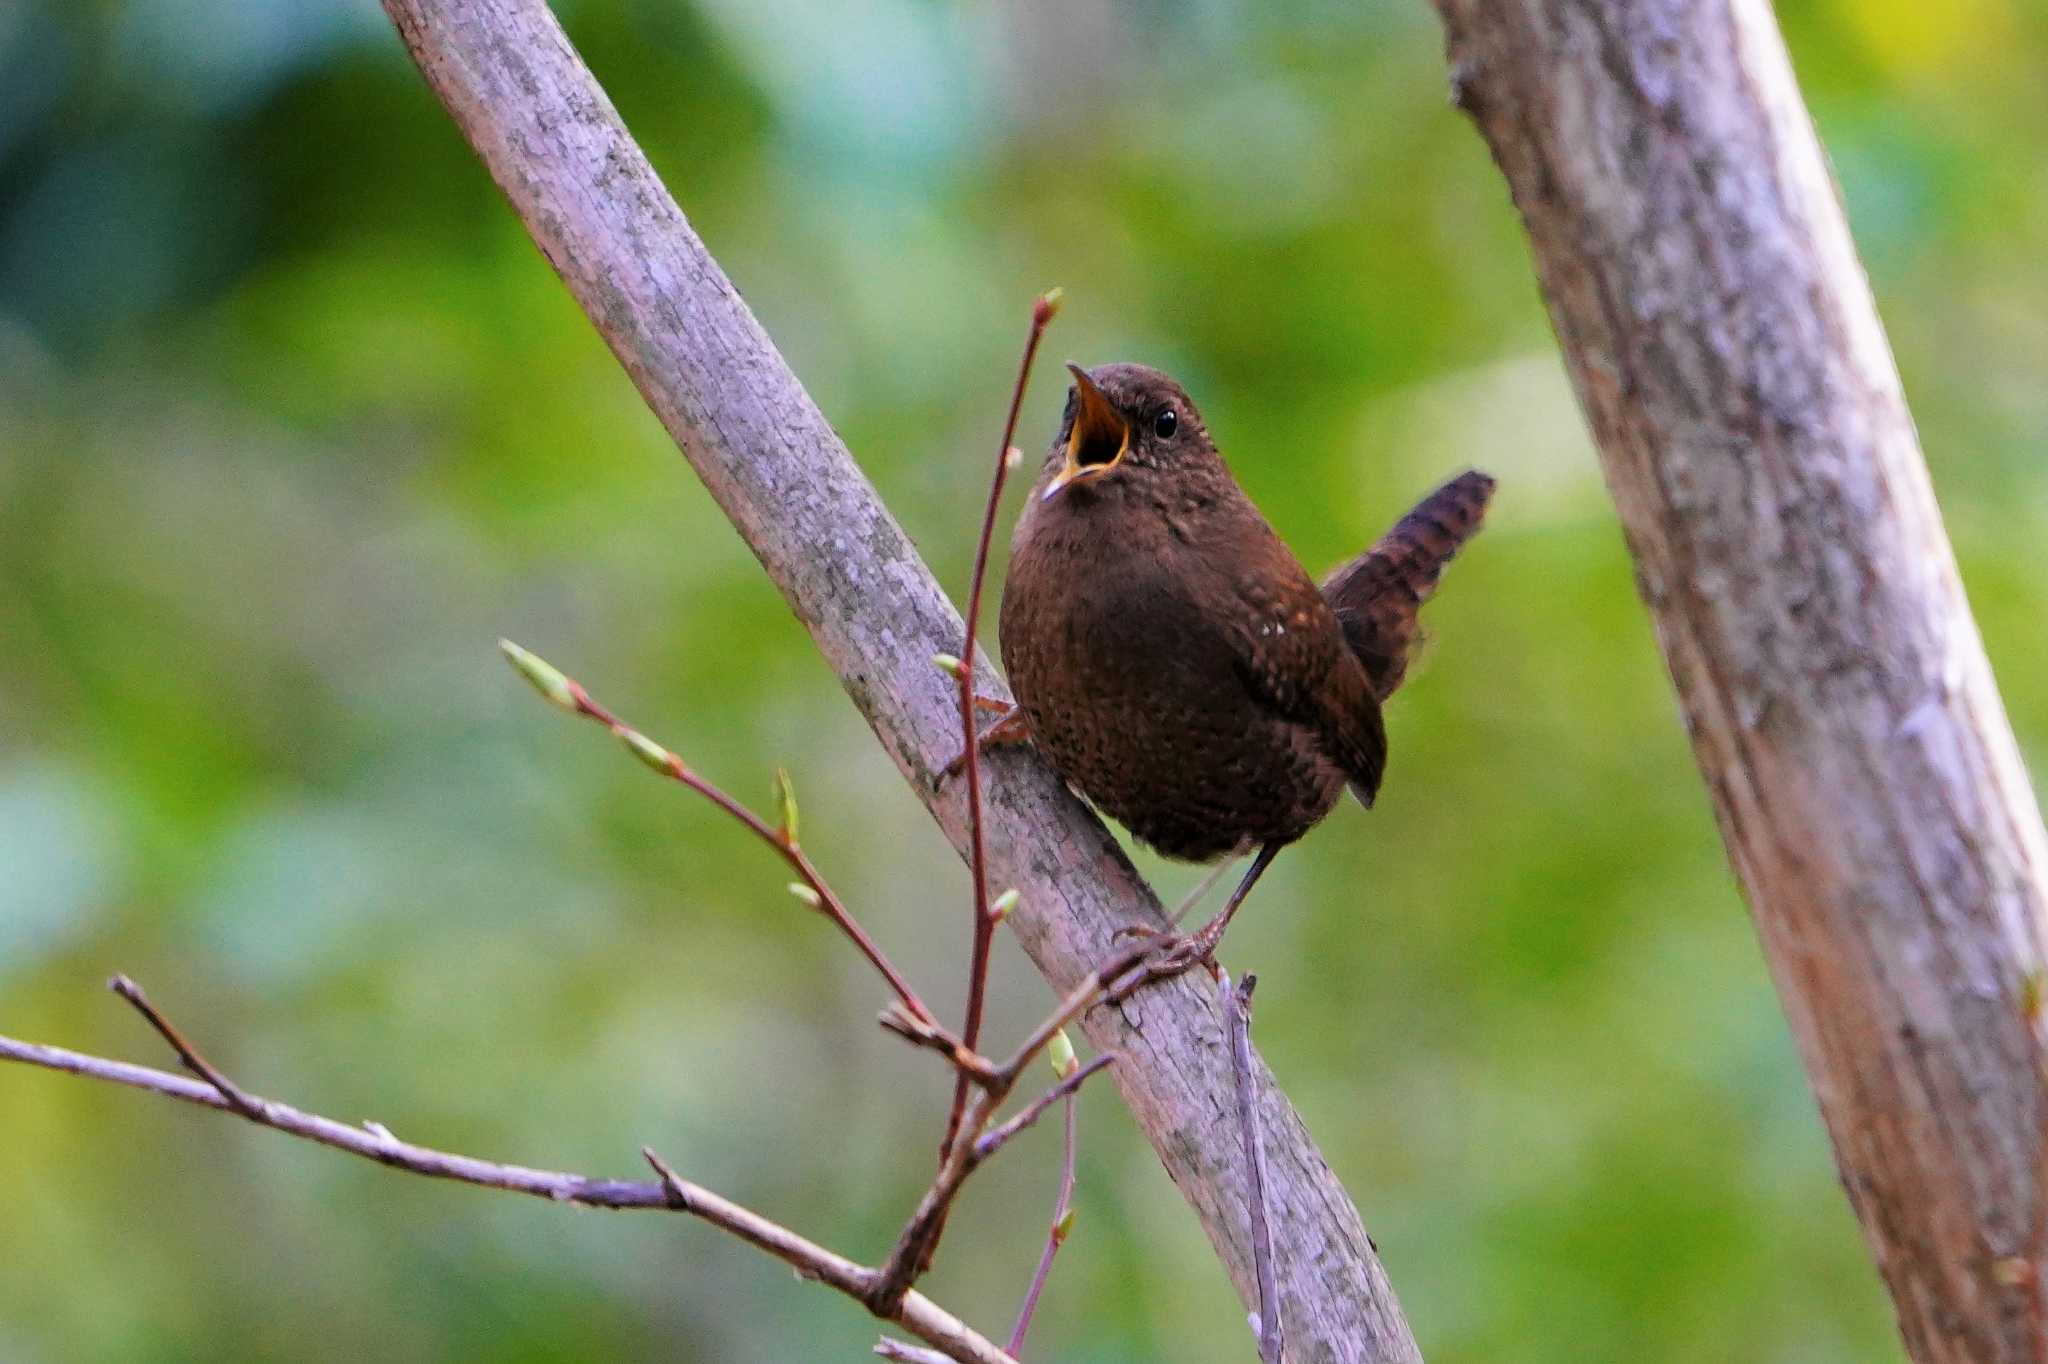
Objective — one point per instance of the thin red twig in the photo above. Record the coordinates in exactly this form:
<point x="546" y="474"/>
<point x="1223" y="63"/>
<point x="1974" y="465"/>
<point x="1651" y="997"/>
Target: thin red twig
<point x="570" y="695"/>
<point x="978" y="1069"/>
<point x="1056" y="1234"/>
<point x="995" y="1138"/>
<point x="919" y="1238"/>
<point x="911" y="1256"/>
<point x="1042" y="312"/>
<point x="999" y="1080"/>
<point x="246" y="1105"/>
<point x="1079" y="1000"/>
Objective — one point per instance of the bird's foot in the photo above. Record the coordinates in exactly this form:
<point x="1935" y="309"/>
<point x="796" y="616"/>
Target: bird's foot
<point x="1134" y="931"/>
<point x="1172" y="954"/>
<point x="1175" y="954"/>
<point x="1012" y="728"/>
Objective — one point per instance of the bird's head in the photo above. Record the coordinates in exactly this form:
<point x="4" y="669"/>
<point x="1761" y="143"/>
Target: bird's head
<point x="1122" y="422"/>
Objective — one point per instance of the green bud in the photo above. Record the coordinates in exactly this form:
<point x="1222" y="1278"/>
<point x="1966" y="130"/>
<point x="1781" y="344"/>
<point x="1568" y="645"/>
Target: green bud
<point x="1049" y="305"/>
<point x="806" y="894"/>
<point x="949" y="664"/>
<point x="649" y="752"/>
<point x="1004" y="903"/>
<point x="1060" y="1051"/>
<point x="785" y="800"/>
<point x="545" y="677"/>
<point x="1064" y="1227"/>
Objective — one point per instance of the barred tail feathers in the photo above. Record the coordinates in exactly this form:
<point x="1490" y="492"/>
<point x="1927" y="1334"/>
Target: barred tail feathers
<point x="1378" y="596"/>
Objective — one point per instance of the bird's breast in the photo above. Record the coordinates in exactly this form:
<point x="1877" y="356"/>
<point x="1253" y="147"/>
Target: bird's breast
<point x="1125" y="668"/>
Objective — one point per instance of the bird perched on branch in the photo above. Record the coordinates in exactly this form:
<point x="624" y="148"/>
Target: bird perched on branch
<point x="1170" y="656"/>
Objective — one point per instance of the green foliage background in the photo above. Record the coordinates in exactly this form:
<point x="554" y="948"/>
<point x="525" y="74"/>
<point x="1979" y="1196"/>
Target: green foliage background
<point x="294" y="422"/>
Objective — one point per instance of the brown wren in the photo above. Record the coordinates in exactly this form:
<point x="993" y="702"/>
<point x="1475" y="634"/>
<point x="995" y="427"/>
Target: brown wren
<point x="1172" y="659"/>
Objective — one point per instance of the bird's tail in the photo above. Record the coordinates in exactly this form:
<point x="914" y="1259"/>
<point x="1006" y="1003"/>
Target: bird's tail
<point x="1378" y="595"/>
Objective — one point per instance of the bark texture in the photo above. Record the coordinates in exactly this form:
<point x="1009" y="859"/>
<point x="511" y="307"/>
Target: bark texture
<point x="556" y="147"/>
<point x="1725" y="349"/>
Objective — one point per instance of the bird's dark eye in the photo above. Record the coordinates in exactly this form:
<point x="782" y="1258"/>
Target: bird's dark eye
<point x="1166" y="423"/>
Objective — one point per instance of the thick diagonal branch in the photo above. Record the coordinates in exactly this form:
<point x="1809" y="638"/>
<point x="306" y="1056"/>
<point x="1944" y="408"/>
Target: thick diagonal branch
<point x="556" y="147"/>
<point x="1730" y="361"/>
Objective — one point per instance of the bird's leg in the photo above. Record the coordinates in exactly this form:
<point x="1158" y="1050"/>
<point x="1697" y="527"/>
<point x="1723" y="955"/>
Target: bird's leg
<point x="1177" y="954"/>
<point x="1012" y="728"/>
<point x="1187" y="904"/>
<point x="1195" y="896"/>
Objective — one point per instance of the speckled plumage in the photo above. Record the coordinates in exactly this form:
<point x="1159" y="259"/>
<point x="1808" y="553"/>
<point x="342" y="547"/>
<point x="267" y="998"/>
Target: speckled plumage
<point x="1176" y="663"/>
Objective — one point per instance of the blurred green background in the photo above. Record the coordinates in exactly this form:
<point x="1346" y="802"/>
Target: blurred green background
<point x="294" y="422"/>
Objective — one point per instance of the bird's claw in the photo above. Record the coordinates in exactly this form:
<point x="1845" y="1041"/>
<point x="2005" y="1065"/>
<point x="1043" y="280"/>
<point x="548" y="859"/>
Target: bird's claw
<point x="1010" y="728"/>
<point x="1173" y="954"/>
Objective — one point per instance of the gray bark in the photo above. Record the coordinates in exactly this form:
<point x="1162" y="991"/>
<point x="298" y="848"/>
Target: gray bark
<point x="603" y="219"/>
<point x="1726" y="352"/>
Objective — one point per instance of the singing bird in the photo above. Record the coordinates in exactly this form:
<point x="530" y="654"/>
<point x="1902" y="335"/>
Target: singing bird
<point x="1170" y="656"/>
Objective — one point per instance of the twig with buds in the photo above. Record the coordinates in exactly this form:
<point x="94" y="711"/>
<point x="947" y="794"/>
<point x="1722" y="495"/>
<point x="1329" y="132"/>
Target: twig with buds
<point x="944" y="1332"/>
<point x="568" y="694"/>
<point x="1042" y="314"/>
<point x="1067" y="1068"/>
<point x="982" y="1085"/>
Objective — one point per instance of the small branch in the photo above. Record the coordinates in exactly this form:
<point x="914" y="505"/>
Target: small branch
<point x="1063" y="1202"/>
<point x="951" y="1338"/>
<point x="912" y="1253"/>
<point x="808" y="1258"/>
<point x="910" y="1354"/>
<point x="916" y="1313"/>
<point x="885" y="1291"/>
<point x="1237" y="1016"/>
<point x="1042" y="312"/>
<point x="993" y="1140"/>
<point x="1078" y="1001"/>
<point x="919" y="1239"/>
<point x="194" y="1062"/>
<point x="371" y="1141"/>
<point x="973" y="1066"/>
<point x="568" y="694"/>
<point x="920" y="1236"/>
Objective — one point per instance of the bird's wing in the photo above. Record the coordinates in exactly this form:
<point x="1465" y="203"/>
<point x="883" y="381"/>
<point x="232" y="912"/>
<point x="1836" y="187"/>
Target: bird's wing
<point x="1291" y="655"/>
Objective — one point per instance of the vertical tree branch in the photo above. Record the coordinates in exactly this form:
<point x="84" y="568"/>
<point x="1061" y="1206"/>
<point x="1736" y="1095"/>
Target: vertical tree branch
<point x="1725" y="349"/>
<point x="1237" y="1026"/>
<point x="554" y="144"/>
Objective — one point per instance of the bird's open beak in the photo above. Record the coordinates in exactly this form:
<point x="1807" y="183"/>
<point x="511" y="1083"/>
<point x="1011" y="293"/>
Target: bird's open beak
<point x="1098" y="441"/>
